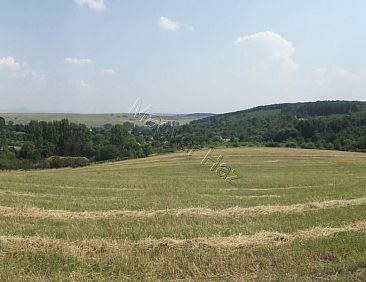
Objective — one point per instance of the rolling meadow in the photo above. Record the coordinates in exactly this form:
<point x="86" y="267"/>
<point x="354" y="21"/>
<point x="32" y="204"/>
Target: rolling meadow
<point x="293" y="215"/>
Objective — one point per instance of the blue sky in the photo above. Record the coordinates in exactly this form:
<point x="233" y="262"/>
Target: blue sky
<point x="179" y="56"/>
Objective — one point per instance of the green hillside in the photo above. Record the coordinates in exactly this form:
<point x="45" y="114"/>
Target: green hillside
<point x="339" y="125"/>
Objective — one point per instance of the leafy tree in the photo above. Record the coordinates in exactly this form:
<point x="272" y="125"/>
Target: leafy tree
<point x="29" y="151"/>
<point x="109" y="152"/>
<point x="3" y="142"/>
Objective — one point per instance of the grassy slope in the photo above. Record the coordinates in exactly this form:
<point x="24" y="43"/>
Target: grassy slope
<point x="89" y="243"/>
<point x="96" y="120"/>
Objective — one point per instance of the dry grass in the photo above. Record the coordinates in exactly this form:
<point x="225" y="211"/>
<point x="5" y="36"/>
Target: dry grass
<point x="296" y="215"/>
<point x="234" y="241"/>
<point x="259" y="239"/>
<point x="229" y="212"/>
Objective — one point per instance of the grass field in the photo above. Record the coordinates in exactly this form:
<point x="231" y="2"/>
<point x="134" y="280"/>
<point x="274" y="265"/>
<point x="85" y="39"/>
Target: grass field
<point x="96" y="120"/>
<point x="294" y="215"/>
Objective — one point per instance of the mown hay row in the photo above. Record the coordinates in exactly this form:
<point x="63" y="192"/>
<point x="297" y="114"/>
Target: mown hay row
<point x="259" y="239"/>
<point x="232" y="212"/>
<point x="98" y="247"/>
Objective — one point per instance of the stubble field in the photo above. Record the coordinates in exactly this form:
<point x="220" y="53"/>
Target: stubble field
<point x="294" y="215"/>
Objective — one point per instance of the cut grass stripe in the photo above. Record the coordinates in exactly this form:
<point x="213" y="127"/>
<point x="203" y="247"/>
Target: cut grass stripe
<point x="234" y="211"/>
<point x="94" y="247"/>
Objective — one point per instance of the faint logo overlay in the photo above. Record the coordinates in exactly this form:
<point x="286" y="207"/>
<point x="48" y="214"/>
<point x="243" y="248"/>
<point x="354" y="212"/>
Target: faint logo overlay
<point x="222" y="170"/>
<point x="145" y="117"/>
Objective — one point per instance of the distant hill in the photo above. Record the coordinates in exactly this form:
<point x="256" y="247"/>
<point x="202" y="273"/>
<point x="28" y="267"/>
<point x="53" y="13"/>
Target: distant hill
<point x="337" y="125"/>
<point x="16" y="110"/>
<point x="95" y="120"/>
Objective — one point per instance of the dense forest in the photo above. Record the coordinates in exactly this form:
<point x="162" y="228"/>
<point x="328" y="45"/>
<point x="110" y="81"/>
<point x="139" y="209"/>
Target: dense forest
<point x="339" y="125"/>
<point x="334" y="125"/>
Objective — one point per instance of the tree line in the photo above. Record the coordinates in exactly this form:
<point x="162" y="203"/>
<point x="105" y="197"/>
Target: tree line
<point x="335" y="125"/>
<point x="30" y="144"/>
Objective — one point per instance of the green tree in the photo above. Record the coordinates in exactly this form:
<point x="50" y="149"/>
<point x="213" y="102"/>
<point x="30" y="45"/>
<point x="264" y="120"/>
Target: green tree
<point x="109" y="152"/>
<point x="29" y="151"/>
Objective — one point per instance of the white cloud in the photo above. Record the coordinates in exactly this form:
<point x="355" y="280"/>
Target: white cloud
<point x="277" y="52"/>
<point x="273" y="76"/>
<point x="189" y="27"/>
<point x="82" y="85"/>
<point x="110" y="72"/>
<point x="166" y="23"/>
<point x="336" y="83"/>
<point x="77" y="62"/>
<point x="260" y="67"/>
<point x="172" y="25"/>
<point x="321" y="70"/>
<point x="96" y="5"/>
<point x="336" y="74"/>
<point x="346" y="74"/>
<point x="10" y="68"/>
<point x="9" y="64"/>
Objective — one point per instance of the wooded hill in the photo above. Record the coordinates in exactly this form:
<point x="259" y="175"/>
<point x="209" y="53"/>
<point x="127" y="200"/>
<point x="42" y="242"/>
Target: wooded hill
<point x="339" y="125"/>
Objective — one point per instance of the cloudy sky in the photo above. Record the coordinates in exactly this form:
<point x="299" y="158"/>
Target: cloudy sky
<point x="179" y="56"/>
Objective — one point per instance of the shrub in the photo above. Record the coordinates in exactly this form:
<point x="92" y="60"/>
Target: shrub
<point x="29" y="151"/>
<point x="291" y="145"/>
<point x="308" y="145"/>
<point x="272" y="144"/>
<point x="58" y="162"/>
<point x="109" y="152"/>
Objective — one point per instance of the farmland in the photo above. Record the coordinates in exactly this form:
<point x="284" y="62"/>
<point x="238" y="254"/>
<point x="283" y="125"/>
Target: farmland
<point x="294" y="214"/>
<point x="96" y="120"/>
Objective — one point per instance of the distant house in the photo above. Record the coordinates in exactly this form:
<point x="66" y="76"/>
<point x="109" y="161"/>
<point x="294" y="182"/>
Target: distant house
<point x="15" y="148"/>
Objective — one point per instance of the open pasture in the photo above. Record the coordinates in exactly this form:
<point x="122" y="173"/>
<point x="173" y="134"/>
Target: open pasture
<point x="293" y="215"/>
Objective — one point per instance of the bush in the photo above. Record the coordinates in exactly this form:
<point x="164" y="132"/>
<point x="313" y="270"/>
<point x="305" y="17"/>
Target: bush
<point x="109" y="152"/>
<point x="273" y="144"/>
<point x="308" y="145"/>
<point x="29" y="151"/>
<point x="42" y="164"/>
<point x="59" y="162"/>
<point x="329" y="146"/>
<point x="5" y="163"/>
<point x="235" y="144"/>
<point x="291" y="145"/>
